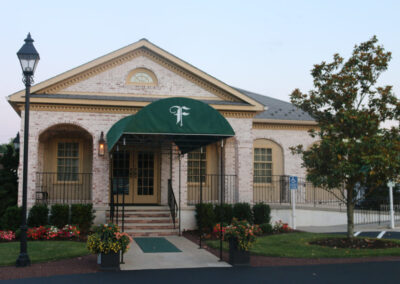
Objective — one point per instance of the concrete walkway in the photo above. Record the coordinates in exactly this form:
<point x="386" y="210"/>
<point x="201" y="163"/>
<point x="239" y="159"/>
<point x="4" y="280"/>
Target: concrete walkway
<point x="189" y="257"/>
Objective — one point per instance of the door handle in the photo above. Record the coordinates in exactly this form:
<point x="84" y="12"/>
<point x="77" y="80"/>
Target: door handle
<point x="133" y="172"/>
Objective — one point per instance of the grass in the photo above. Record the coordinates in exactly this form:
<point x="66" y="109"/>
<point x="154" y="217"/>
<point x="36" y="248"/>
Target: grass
<point x="41" y="251"/>
<point x="296" y="245"/>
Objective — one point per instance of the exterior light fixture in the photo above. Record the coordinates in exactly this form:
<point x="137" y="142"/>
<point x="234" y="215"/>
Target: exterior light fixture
<point x="102" y="144"/>
<point x="29" y="58"/>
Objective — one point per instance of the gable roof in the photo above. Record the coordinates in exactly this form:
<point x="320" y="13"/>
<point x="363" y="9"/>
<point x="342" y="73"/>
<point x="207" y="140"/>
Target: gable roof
<point x="276" y="109"/>
<point x="120" y="55"/>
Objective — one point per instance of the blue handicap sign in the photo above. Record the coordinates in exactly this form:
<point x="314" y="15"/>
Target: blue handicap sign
<point x="293" y="182"/>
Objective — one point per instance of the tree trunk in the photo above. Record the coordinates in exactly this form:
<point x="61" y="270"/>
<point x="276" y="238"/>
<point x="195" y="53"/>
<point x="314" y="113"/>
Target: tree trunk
<point x="350" y="212"/>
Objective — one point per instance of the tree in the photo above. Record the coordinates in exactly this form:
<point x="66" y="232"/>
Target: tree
<point x="354" y="152"/>
<point x="8" y="177"/>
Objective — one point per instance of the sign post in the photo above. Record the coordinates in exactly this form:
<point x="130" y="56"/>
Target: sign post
<point x="391" y="184"/>
<point x="293" y="185"/>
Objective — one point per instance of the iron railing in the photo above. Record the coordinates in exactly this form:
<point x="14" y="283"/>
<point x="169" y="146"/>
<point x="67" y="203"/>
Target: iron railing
<point x="276" y="190"/>
<point x="209" y="190"/>
<point x="173" y="206"/>
<point x="63" y="188"/>
<point x="378" y="213"/>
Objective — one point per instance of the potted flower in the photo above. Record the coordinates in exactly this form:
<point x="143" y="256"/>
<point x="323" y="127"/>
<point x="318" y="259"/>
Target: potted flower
<point x="241" y="236"/>
<point x="108" y="242"/>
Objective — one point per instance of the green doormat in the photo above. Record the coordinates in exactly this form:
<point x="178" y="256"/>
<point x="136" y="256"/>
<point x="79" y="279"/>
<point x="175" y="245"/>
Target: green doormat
<point x="149" y="245"/>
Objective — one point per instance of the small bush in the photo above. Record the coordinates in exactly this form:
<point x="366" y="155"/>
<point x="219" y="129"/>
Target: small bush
<point x="82" y="216"/>
<point x="242" y="211"/>
<point x="38" y="215"/>
<point x="261" y="213"/>
<point x="205" y="216"/>
<point x="59" y="214"/>
<point x="223" y="213"/>
<point x="266" y="228"/>
<point x="12" y="218"/>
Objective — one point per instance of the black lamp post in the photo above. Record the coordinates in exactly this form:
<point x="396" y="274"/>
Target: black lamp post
<point x="29" y="58"/>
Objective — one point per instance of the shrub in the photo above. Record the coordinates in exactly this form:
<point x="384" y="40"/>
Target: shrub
<point x="11" y="219"/>
<point x="59" y="214"/>
<point x="223" y="213"/>
<point x="38" y="215"/>
<point x="82" y="216"/>
<point x="205" y="216"/>
<point x="261" y="213"/>
<point x="242" y="211"/>
<point x="266" y="228"/>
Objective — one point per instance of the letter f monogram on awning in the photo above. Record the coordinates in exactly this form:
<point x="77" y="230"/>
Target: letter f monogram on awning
<point x="179" y="112"/>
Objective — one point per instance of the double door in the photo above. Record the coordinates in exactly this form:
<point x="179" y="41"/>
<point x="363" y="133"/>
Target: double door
<point x="135" y="178"/>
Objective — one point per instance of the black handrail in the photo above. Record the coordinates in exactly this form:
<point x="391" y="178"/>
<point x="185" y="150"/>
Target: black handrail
<point x="173" y="206"/>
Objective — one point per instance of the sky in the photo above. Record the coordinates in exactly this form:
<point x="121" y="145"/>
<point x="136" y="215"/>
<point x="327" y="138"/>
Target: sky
<point x="268" y="47"/>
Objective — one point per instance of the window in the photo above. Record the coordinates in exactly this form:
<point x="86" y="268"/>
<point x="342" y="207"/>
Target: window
<point x="197" y="165"/>
<point x="141" y="77"/>
<point x="67" y="161"/>
<point x="262" y="165"/>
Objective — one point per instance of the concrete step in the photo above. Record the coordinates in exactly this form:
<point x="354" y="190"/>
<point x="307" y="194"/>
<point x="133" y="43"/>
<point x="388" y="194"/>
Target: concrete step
<point x="155" y="233"/>
<point x="148" y="220"/>
<point x="151" y="227"/>
<point x="143" y="215"/>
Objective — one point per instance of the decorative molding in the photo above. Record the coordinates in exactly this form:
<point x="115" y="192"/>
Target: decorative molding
<point x="135" y="95"/>
<point x="129" y="56"/>
<point x="238" y="114"/>
<point x="280" y="126"/>
<point x="75" y="108"/>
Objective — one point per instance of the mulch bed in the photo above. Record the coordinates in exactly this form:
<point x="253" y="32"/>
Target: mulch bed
<point x="78" y="265"/>
<point x="258" y="260"/>
<point x="356" y="243"/>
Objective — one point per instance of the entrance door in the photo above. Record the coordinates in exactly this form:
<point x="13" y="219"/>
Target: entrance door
<point x="145" y="181"/>
<point x="135" y="175"/>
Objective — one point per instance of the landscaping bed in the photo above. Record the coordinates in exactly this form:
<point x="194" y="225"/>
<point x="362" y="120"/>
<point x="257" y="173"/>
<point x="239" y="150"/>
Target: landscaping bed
<point x="355" y="243"/>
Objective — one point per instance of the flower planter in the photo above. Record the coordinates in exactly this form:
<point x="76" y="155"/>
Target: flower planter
<point x="110" y="261"/>
<point x="238" y="257"/>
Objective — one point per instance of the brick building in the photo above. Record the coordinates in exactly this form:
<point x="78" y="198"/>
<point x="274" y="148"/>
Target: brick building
<point x="237" y="147"/>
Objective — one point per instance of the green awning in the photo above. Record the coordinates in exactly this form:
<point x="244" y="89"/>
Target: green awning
<point x="178" y="118"/>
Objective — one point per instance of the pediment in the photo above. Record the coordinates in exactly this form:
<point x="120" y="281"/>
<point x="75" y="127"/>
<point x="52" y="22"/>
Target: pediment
<point x="106" y="77"/>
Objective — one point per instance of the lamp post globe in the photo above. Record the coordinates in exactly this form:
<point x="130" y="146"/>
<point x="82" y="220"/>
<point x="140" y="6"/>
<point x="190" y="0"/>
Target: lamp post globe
<point x="29" y="58"/>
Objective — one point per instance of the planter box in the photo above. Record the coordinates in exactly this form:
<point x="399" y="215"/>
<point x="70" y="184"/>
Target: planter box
<point x="238" y="257"/>
<point x="110" y="261"/>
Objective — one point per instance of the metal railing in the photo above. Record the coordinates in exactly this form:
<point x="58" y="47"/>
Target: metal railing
<point x="379" y="213"/>
<point x="173" y="206"/>
<point x="63" y="188"/>
<point x="276" y="191"/>
<point x="209" y="190"/>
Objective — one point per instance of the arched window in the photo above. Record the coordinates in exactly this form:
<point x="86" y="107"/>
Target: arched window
<point x="141" y="77"/>
<point x="268" y="161"/>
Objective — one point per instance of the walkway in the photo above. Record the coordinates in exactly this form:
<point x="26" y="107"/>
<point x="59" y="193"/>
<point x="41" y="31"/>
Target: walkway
<point x="189" y="257"/>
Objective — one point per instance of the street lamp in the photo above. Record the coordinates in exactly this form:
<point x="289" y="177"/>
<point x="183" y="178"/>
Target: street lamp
<point x="29" y="58"/>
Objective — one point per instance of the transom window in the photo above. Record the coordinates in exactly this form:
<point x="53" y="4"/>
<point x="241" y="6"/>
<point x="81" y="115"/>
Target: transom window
<point x="141" y="77"/>
<point x="197" y="162"/>
<point x="262" y="165"/>
<point x="67" y="161"/>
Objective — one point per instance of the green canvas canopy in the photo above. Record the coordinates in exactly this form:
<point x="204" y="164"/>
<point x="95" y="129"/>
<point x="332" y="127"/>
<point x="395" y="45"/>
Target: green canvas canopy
<point x="187" y="122"/>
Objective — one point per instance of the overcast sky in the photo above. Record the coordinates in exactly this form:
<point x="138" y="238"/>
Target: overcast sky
<point x="267" y="47"/>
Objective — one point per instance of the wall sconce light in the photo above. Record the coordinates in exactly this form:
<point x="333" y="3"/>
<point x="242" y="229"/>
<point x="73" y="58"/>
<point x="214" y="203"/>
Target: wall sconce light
<point x="102" y="144"/>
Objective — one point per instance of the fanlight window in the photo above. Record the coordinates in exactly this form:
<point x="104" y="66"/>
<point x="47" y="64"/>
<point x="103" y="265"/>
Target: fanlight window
<point x="141" y="77"/>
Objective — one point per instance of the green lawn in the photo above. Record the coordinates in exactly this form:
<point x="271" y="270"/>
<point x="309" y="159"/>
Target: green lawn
<point x="296" y="245"/>
<point x="40" y="251"/>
